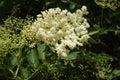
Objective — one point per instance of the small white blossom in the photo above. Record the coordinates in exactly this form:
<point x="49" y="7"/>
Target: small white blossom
<point x="63" y="12"/>
<point x="84" y="8"/>
<point x="64" y="54"/>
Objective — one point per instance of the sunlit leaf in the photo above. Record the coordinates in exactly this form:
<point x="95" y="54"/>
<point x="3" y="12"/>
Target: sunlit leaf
<point x="115" y="73"/>
<point x="32" y="57"/>
<point x="93" y="32"/>
<point x="41" y="53"/>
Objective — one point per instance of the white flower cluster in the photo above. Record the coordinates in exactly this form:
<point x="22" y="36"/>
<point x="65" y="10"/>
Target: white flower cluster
<point x="61" y="30"/>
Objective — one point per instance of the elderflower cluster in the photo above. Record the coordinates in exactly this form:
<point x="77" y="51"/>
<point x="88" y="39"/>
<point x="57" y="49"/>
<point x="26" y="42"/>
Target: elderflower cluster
<point x="61" y="30"/>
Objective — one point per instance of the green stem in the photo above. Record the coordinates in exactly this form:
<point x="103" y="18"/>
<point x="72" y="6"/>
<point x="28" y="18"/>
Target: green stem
<point x="14" y="73"/>
<point x="102" y="13"/>
<point x="33" y="73"/>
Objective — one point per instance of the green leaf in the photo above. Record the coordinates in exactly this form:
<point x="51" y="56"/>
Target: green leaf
<point x="91" y="40"/>
<point x="41" y="49"/>
<point x="25" y="73"/>
<point x="72" y="6"/>
<point x="65" y="1"/>
<point x="1" y="3"/>
<point x="71" y="56"/>
<point x="114" y="74"/>
<point x="93" y="32"/>
<point x="13" y="60"/>
<point x="32" y="58"/>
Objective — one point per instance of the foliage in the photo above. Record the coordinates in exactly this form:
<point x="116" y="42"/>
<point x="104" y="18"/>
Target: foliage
<point x="108" y="4"/>
<point x="98" y="59"/>
<point x="4" y="41"/>
<point x="11" y="33"/>
<point x="30" y="65"/>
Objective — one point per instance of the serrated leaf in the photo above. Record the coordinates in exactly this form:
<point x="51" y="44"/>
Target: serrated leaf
<point x="32" y="58"/>
<point x="41" y="53"/>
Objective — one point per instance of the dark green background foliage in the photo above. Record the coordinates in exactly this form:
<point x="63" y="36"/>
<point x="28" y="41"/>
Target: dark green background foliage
<point x="100" y="55"/>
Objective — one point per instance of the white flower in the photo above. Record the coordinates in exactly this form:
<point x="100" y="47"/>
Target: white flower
<point x="63" y="12"/>
<point x="60" y="29"/>
<point x="84" y="38"/>
<point x="64" y="54"/>
<point x="84" y="8"/>
<point x="69" y="43"/>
